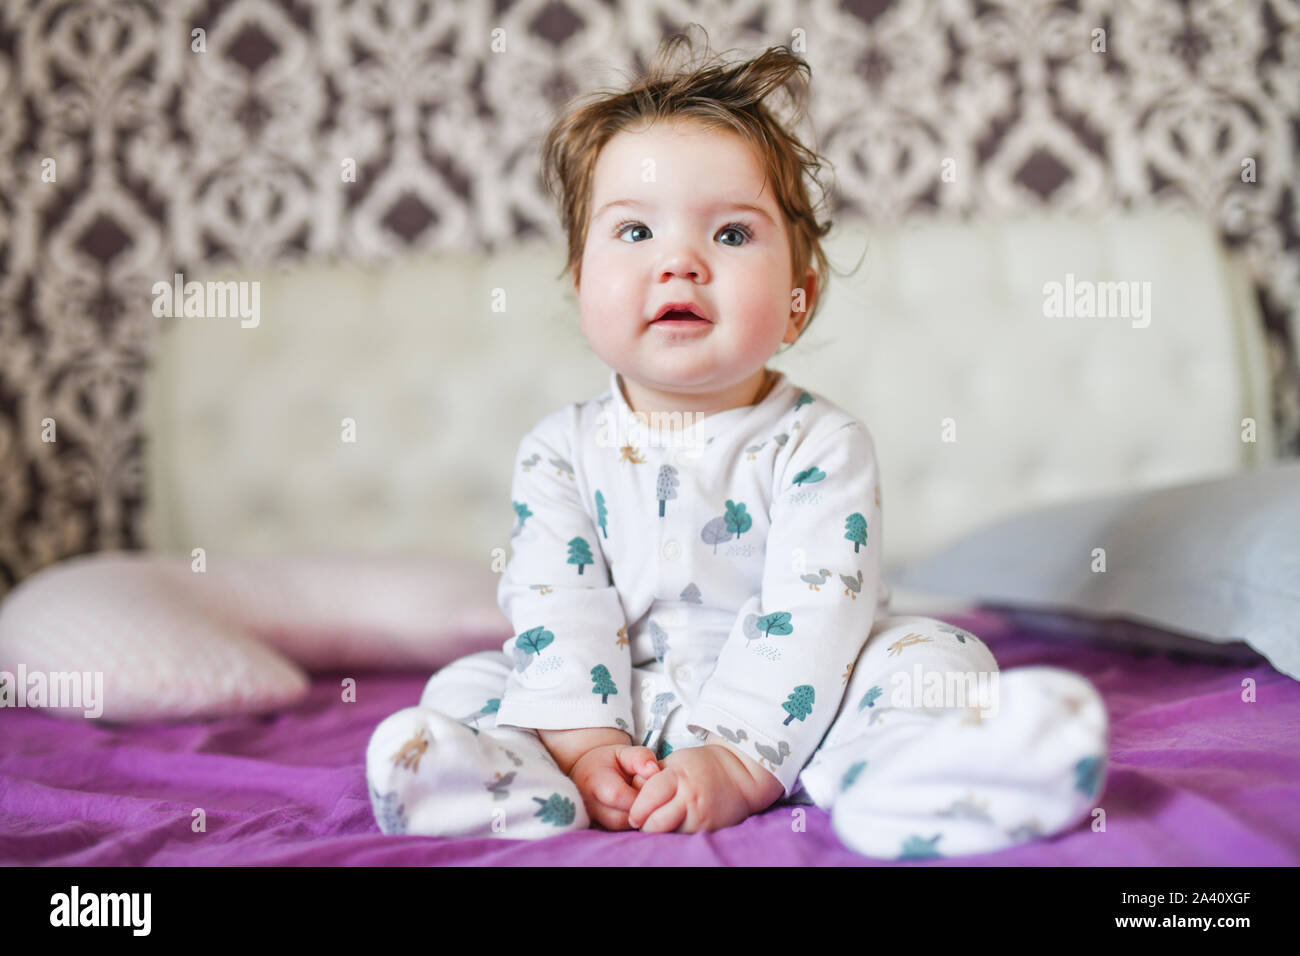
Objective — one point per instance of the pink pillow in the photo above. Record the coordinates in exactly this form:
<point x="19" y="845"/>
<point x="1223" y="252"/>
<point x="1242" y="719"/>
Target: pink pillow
<point x="150" y="654"/>
<point x="340" y="610"/>
<point x="238" y="638"/>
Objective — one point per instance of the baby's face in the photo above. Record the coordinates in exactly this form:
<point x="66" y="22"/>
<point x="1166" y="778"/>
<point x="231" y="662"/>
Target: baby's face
<point x="676" y="242"/>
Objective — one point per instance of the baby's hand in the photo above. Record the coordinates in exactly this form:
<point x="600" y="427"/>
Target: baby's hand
<point x="699" y="788"/>
<point x="608" y="778"/>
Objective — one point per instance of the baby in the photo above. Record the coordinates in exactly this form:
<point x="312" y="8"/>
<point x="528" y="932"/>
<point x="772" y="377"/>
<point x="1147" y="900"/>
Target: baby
<point x="695" y="579"/>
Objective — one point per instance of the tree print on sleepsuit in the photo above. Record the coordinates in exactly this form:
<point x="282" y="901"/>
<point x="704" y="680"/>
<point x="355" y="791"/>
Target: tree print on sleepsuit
<point x="918" y="848"/>
<point x="659" y="637"/>
<point x="851" y="774"/>
<point x="666" y="487"/>
<point x="736" y="522"/>
<point x="799" y="703"/>
<point x="663" y="703"/>
<point x="580" y="553"/>
<point x="523" y="514"/>
<point x="555" y="809"/>
<point x="715" y="532"/>
<point x="389" y="814"/>
<point x="604" y="683"/>
<point x="491" y="707"/>
<point x="529" y="643"/>
<point x="855" y="529"/>
<point x="1087" y="774"/>
<point x="869" y="698"/>
<point x="601" y="512"/>
<point x="778" y="622"/>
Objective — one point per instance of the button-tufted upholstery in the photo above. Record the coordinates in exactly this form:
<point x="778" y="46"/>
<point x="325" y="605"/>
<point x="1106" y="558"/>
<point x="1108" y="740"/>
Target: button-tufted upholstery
<point x="943" y="320"/>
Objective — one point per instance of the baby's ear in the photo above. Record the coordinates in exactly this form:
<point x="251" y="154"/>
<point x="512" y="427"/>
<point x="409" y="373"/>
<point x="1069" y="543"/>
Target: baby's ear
<point x="809" y="286"/>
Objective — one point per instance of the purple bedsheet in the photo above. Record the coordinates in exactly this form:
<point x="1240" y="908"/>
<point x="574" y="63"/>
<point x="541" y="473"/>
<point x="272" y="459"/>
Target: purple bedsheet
<point x="1197" y="777"/>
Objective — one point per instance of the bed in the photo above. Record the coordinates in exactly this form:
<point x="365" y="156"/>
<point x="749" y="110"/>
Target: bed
<point x="253" y="473"/>
<point x="1196" y="780"/>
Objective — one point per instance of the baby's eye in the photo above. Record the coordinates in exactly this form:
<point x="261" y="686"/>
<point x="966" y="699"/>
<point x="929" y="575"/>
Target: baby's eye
<point x="626" y="228"/>
<point x="737" y="228"/>
<point x="623" y="228"/>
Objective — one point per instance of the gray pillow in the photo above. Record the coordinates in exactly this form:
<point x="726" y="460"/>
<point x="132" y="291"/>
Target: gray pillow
<point x="1217" y="560"/>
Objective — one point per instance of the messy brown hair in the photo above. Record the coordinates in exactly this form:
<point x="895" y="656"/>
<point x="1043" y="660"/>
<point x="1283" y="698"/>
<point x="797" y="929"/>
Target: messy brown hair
<point x="717" y="96"/>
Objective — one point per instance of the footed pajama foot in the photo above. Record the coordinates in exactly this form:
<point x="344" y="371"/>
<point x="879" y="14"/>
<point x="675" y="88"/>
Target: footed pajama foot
<point x="933" y="784"/>
<point x="430" y="775"/>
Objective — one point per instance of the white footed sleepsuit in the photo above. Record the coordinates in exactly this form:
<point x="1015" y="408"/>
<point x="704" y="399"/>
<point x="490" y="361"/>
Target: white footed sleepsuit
<point x="723" y="580"/>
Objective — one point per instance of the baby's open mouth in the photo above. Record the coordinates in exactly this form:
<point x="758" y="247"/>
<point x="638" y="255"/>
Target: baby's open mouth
<point x="681" y="312"/>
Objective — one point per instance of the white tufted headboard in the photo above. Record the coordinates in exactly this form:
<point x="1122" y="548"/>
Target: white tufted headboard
<point x="944" y="320"/>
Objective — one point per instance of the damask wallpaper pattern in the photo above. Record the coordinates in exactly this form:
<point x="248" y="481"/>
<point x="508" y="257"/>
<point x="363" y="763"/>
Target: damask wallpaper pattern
<point x="139" y="138"/>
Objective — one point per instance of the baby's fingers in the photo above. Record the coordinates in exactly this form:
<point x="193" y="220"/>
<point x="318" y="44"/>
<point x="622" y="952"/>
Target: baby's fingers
<point x="608" y="796"/>
<point x="669" y="817"/>
<point x="607" y="817"/>
<point x="611" y="788"/>
<point x="638" y="760"/>
<point x="654" y="794"/>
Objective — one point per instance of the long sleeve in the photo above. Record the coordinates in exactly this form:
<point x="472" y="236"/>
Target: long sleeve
<point x="572" y="667"/>
<point x="782" y="672"/>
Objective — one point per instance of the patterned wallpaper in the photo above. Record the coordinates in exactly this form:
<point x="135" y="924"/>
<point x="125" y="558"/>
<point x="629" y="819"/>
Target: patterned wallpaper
<point x="139" y="138"/>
